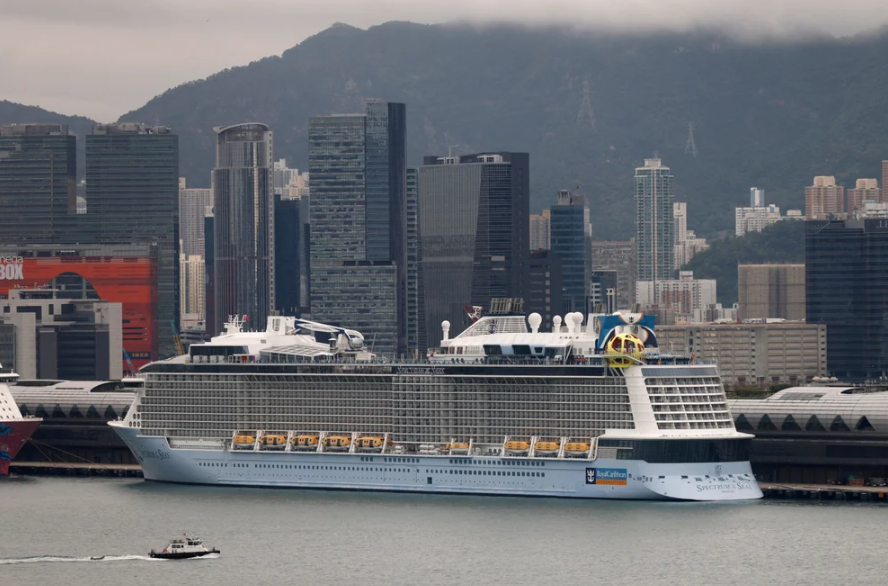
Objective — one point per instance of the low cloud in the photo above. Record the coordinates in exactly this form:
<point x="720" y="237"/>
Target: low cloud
<point x="102" y="58"/>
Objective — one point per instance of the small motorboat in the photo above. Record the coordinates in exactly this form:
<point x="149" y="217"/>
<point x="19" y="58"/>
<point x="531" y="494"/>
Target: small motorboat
<point x="183" y="548"/>
<point x="96" y="558"/>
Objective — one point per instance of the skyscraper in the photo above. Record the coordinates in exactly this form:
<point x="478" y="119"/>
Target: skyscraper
<point x="824" y="198"/>
<point x="243" y="208"/>
<point x="654" y="222"/>
<point x="290" y="227"/>
<point x="473" y="221"/>
<point x="38" y="191"/>
<point x="415" y="307"/>
<point x="571" y="241"/>
<point x="845" y="289"/>
<point x="357" y="166"/>
<point x="756" y="197"/>
<point x="193" y="202"/>
<point x="541" y="230"/>
<point x="132" y="190"/>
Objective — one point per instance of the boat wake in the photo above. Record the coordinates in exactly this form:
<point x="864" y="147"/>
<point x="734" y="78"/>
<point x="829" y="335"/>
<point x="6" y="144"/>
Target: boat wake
<point x="96" y="558"/>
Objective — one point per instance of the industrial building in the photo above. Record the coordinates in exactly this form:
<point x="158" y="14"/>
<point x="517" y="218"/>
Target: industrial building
<point x="753" y="354"/>
<point x="771" y="291"/>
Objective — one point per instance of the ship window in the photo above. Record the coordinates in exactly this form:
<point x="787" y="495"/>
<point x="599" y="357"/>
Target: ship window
<point x="521" y="350"/>
<point x="493" y="350"/>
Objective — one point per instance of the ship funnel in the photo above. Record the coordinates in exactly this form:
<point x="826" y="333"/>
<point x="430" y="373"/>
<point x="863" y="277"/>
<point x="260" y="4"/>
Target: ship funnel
<point x="534" y="319"/>
<point x="445" y="328"/>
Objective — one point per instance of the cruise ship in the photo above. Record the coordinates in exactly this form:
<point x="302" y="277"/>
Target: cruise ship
<point x="580" y="411"/>
<point x="15" y="429"/>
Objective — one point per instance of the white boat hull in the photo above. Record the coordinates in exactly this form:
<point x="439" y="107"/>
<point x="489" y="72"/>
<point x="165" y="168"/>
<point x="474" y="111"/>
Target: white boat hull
<point x="481" y="475"/>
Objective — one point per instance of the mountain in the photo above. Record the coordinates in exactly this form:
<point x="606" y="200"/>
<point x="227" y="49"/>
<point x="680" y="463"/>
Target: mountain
<point x="783" y="242"/>
<point x="12" y="113"/>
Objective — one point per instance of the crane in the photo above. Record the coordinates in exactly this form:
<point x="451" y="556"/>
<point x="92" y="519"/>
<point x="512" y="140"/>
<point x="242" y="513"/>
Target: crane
<point x="180" y="350"/>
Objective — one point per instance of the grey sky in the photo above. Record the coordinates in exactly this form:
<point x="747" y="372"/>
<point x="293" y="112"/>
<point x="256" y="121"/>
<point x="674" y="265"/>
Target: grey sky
<point x="101" y="58"/>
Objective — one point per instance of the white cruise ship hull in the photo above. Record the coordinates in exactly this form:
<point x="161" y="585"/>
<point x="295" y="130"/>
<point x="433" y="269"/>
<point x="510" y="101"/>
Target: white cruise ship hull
<point x="602" y="478"/>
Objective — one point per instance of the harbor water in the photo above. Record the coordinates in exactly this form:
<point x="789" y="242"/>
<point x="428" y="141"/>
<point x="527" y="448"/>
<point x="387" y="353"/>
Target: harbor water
<point x="51" y="527"/>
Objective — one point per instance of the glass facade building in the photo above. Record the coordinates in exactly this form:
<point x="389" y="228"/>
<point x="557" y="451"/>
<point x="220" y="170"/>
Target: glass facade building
<point x="132" y="190"/>
<point x="290" y="222"/>
<point x="38" y="177"/>
<point x="846" y="288"/>
<point x="473" y="222"/>
<point x="571" y="241"/>
<point x="654" y="222"/>
<point x="243" y="208"/>
<point x="358" y="248"/>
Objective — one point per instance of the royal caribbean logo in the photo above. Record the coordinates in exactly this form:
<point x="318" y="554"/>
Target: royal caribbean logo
<point x="607" y="476"/>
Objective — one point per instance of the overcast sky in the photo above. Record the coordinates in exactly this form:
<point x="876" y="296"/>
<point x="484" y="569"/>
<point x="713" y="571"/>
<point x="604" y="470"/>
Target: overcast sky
<point x="102" y="58"/>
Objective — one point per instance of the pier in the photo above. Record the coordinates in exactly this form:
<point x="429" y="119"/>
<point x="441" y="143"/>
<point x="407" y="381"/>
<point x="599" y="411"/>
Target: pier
<point x="75" y="469"/>
<point x="830" y="492"/>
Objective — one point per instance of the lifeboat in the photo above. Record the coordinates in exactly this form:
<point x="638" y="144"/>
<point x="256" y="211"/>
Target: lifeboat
<point x="304" y="442"/>
<point x="577" y="449"/>
<point x="337" y="443"/>
<point x="273" y="441"/>
<point x="371" y="444"/>
<point x="244" y="440"/>
<point x="545" y="448"/>
<point x="457" y="447"/>
<point x="517" y="447"/>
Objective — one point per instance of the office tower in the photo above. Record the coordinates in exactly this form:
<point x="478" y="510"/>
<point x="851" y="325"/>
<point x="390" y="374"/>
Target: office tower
<point x="192" y="290"/>
<point x="603" y="293"/>
<point x="132" y="190"/>
<point x="544" y="291"/>
<point x="210" y="274"/>
<point x="243" y="210"/>
<point x="654" y="222"/>
<point x="290" y="223"/>
<point x="845" y="290"/>
<point x="748" y="220"/>
<point x="617" y="256"/>
<point x="771" y="291"/>
<point x="193" y="202"/>
<point x="357" y="165"/>
<point x="865" y="190"/>
<point x="824" y="198"/>
<point x="38" y="191"/>
<point x="756" y="197"/>
<point x="473" y="218"/>
<point x="540" y="231"/>
<point x="416" y="343"/>
<point x="571" y="241"/>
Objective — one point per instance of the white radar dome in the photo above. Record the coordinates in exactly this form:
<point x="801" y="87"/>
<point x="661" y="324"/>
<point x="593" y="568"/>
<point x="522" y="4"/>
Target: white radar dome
<point x="534" y="319"/>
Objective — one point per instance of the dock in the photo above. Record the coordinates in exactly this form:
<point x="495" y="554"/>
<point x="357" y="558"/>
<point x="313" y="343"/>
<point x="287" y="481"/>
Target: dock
<point x="75" y="469"/>
<point x="831" y="492"/>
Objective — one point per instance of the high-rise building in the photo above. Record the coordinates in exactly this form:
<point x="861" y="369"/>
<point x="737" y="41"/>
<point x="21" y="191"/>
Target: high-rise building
<point x="192" y="289"/>
<point x="243" y="200"/>
<point x="683" y="295"/>
<point x="687" y="245"/>
<point x="132" y="189"/>
<point x="824" y="198"/>
<point x="544" y="291"/>
<point x="617" y="256"/>
<point x="290" y="226"/>
<point x="416" y="341"/>
<point x="865" y="190"/>
<point x="884" y="182"/>
<point x="210" y="274"/>
<point x="771" y="291"/>
<point x="193" y="202"/>
<point x="473" y="219"/>
<point x="38" y="183"/>
<point x="571" y="241"/>
<point x="357" y="165"/>
<point x="540" y="231"/>
<point x="845" y="290"/>
<point x="756" y="197"/>
<point x="654" y="222"/>
<point x="289" y="183"/>
<point x="756" y="219"/>
<point x="604" y="291"/>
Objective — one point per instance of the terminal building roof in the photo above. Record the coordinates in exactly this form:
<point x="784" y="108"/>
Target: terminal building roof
<point x="53" y="399"/>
